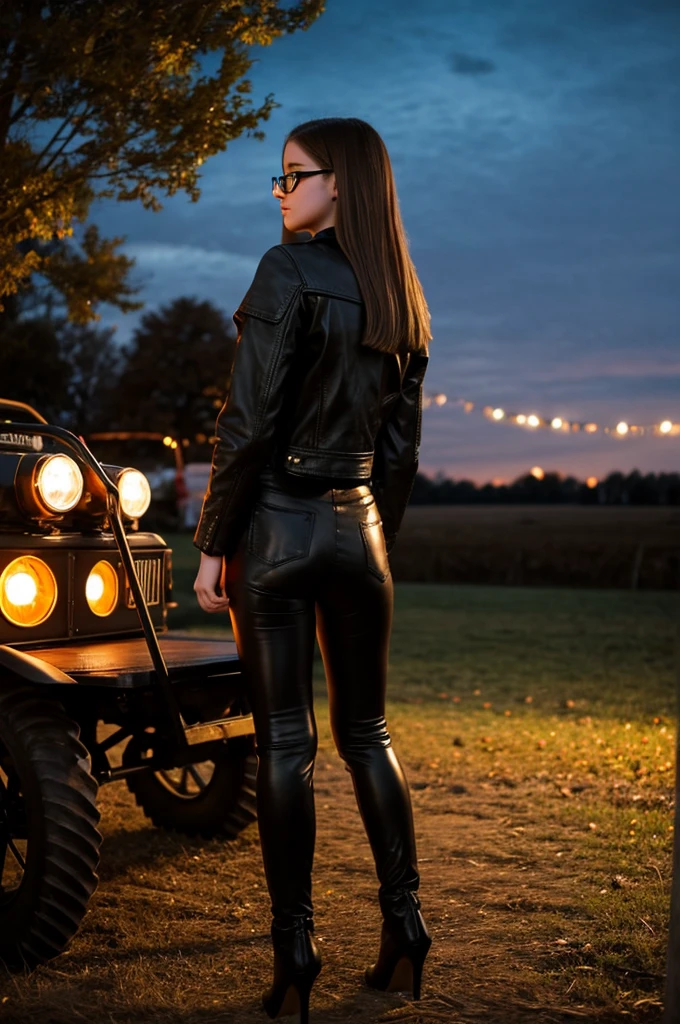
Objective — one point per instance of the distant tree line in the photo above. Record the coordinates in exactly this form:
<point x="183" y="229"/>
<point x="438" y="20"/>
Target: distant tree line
<point x="171" y="377"/>
<point x="617" y="488"/>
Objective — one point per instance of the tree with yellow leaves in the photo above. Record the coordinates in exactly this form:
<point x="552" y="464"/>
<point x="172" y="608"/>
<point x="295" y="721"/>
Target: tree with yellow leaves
<point x="114" y="99"/>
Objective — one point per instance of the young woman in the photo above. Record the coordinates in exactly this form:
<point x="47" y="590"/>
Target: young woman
<point x="316" y="456"/>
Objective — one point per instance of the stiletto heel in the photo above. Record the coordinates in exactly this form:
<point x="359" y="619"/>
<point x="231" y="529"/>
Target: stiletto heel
<point x="404" y="944"/>
<point x="417" y="962"/>
<point x="296" y="966"/>
<point x="291" y="997"/>
<point x="417" y="978"/>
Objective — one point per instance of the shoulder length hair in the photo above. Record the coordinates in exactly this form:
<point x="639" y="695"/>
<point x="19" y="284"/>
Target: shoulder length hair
<point x="370" y="231"/>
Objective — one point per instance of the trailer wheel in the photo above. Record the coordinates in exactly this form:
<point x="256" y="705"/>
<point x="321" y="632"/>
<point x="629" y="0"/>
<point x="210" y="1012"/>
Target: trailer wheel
<point x="207" y="799"/>
<point x="49" y="843"/>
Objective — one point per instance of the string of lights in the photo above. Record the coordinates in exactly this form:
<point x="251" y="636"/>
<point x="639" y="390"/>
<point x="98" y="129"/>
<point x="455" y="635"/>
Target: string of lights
<point x="532" y="421"/>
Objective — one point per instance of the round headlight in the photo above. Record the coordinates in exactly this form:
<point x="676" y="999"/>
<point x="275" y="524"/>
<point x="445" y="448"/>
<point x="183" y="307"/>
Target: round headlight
<point x="59" y="483"/>
<point x="101" y="589"/>
<point x="135" y="493"/>
<point x="28" y="591"/>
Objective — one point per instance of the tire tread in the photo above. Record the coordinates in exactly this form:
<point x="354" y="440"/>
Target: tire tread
<point x="70" y="853"/>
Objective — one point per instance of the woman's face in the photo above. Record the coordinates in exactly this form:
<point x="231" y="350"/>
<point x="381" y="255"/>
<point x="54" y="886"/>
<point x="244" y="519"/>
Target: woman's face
<point x="310" y="206"/>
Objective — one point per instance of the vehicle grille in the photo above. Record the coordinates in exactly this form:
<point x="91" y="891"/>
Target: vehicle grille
<point x="150" y="574"/>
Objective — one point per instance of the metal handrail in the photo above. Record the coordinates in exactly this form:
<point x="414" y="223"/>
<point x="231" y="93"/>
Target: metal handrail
<point x="9" y="403"/>
<point x="113" y="508"/>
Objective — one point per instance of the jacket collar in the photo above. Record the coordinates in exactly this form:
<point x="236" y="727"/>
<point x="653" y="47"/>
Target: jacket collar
<point x="328" y="234"/>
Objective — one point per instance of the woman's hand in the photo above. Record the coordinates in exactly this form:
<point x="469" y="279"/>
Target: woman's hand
<point x="209" y="582"/>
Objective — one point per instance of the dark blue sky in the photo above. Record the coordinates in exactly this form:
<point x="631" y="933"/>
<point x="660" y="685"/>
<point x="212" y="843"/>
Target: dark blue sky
<point x="536" y="148"/>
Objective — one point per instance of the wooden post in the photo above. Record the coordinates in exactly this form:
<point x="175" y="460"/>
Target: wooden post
<point x="672" y="1001"/>
<point x="637" y="562"/>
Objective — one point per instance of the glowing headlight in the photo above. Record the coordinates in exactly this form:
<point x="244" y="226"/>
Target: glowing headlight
<point x="135" y="493"/>
<point x="28" y="591"/>
<point x="59" y="483"/>
<point x="94" y="588"/>
<point x="21" y="589"/>
<point x="101" y="589"/>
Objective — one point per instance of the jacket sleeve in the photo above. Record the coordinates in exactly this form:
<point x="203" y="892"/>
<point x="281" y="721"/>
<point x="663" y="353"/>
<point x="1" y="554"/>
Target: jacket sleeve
<point x="268" y="322"/>
<point x="397" y="445"/>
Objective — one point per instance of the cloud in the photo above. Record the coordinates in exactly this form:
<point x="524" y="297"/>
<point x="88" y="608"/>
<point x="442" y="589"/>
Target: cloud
<point x="212" y="261"/>
<point x="172" y="270"/>
<point x="464" y="64"/>
<point x="609" y="365"/>
<point x="166" y="272"/>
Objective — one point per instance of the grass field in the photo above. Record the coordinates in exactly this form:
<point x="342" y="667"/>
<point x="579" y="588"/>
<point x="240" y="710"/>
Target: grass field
<point x="607" y="546"/>
<point x="603" y="546"/>
<point x="537" y="730"/>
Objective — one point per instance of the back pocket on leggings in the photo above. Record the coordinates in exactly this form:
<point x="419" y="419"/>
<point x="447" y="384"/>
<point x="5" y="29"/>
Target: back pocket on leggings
<point x="278" y="535"/>
<point x="376" y="552"/>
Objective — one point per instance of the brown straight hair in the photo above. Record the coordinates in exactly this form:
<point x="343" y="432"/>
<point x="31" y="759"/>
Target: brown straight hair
<point x="369" y="230"/>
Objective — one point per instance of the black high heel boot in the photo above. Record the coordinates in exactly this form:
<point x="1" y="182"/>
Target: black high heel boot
<point x="404" y="944"/>
<point x="296" y="966"/>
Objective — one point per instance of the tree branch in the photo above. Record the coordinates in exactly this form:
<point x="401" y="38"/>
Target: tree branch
<point x="8" y="91"/>
<point x="64" y="184"/>
<point x="53" y="140"/>
<point x="21" y="109"/>
<point x="55" y="156"/>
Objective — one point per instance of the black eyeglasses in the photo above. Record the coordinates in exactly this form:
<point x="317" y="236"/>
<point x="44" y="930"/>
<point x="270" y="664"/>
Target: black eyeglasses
<point x="287" y="183"/>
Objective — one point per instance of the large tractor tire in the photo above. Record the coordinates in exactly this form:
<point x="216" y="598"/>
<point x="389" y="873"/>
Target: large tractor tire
<point x="49" y="843"/>
<point x="212" y="798"/>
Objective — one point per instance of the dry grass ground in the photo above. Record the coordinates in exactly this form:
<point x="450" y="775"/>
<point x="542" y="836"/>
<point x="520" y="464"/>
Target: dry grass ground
<point x="536" y="728"/>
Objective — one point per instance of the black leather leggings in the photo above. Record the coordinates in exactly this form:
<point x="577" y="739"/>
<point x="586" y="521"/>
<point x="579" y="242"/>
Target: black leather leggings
<point x="313" y="559"/>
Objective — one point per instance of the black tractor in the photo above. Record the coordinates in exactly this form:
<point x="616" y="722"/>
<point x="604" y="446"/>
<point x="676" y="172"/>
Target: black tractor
<point x="93" y="685"/>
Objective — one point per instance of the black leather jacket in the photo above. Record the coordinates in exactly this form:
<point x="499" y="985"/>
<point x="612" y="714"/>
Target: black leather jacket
<point x="306" y="396"/>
